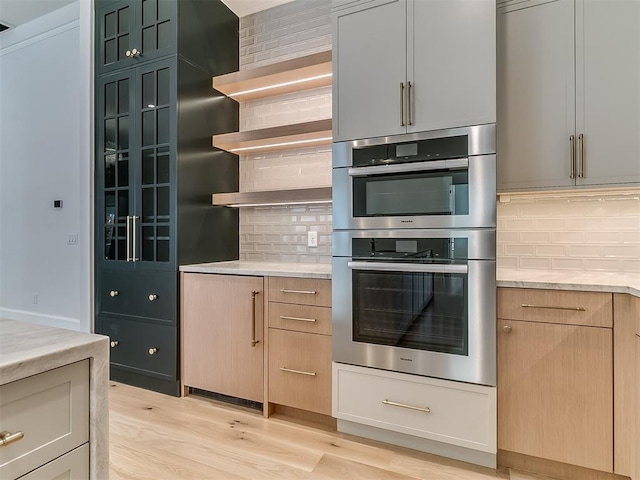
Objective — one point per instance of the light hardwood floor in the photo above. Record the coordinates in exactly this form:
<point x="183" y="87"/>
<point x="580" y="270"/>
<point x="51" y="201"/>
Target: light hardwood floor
<point x="158" y="437"/>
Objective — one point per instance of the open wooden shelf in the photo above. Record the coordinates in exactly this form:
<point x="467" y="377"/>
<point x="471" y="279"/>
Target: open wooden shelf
<point x="298" y="135"/>
<point x="300" y="73"/>
<point x="273" y="197"/>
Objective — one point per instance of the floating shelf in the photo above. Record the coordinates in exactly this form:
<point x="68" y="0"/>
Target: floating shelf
<point x="298" y="135"/>
<point x="273" y="197"/>
<point x="302" y="73"/>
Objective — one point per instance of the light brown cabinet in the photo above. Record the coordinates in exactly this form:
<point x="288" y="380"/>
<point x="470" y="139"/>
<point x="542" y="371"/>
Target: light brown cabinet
<point x="555" y="376"/>
<point x="222" y="334"/>
<point x="300" y="344"/>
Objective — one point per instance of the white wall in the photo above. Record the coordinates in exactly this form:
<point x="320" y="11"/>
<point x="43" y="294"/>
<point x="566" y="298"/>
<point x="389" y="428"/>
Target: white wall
<point x="45" y="154"/>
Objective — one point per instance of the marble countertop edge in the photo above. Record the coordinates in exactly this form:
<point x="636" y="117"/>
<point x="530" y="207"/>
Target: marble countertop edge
<point x="267" y="269"/>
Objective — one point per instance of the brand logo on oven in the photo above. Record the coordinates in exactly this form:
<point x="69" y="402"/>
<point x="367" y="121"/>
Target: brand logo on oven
<point x="406" y="359"/>
<point x="406" y="221"/>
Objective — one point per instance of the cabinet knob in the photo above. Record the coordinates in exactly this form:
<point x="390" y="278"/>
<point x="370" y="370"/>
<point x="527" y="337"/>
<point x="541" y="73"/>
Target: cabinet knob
<point x="135" y="52"/>
<point x="114" y="343"/>
<point x="153" y="351"/>
<point x="128" y="53"/>
<point x="506" y="329"/>
<point x="153" y="297"/>
<point x="114" y="293"/>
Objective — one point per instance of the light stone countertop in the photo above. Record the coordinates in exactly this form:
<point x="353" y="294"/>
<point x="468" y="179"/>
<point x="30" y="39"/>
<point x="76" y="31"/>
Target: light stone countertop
<point x="27" y="349"/>
<point x="568" y="280"/>
<point x="263" y="269"/>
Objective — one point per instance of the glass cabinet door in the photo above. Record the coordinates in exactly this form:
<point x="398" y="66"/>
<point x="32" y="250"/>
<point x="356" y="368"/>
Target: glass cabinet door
<point x="156" y="110"/>
<point x="134" y="31"/>
<point x="114" y="173"/>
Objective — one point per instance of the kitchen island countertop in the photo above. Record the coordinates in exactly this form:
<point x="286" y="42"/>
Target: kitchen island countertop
<point x="28" y="349"/>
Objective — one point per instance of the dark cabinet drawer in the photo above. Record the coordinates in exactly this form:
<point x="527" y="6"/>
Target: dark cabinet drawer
<point x="145" y="295"/>
<point x="142" y="347"/>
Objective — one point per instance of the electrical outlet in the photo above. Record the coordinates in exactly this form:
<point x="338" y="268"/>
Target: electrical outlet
<point x="72" y="239"/>
<point x="312" y="239"/>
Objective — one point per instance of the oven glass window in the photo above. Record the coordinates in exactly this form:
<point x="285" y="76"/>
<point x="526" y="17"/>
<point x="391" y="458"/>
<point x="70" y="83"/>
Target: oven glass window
<point x="418" y="310"/>
<point x="424" y="311"/>
<point x="430" y="193"/>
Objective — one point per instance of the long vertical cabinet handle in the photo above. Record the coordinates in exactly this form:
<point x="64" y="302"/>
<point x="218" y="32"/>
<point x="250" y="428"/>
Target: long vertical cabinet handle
<point x="253" y="318"/>
<point x="581" y="156"/>
<point x="572" y="146"/>
<point x="402" y="104"/>
<point x="128" y="239"/>
<point x="409" y="115"/>
<point x="133" y="225"/>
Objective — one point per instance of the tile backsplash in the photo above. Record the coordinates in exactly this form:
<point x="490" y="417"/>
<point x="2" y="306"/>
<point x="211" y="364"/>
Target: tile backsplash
<point x="279" y="233"/>
<point x="575" y="231"/>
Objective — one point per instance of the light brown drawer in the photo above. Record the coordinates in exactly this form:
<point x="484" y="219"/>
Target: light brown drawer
<point x="52" y="410"/>
<point x="450" y="412"/>
<point x="301" y="291"/>
<point x="300" y="370"/>
<point x="301" y="318"/>
<point x="556" y="306"/>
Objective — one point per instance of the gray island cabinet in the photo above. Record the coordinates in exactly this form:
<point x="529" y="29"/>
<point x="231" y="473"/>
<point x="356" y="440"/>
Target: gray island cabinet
<point x="54" y="411"/>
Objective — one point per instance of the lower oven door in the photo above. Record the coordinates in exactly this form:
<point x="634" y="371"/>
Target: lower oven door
<point x="425" y="319"/>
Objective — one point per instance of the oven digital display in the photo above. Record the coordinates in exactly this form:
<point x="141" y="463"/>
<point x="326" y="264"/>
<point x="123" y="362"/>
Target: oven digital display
<point x="406" y="149"/>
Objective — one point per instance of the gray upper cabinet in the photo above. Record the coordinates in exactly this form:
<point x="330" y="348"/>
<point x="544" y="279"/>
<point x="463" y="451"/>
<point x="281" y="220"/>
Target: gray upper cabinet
<point x="569" y="93"/>
<point x="404" y="66"/>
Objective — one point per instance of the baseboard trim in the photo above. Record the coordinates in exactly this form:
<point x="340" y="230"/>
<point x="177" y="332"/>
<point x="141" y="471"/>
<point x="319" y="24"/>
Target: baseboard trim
<point x="551" y="468"/>
<point x="455" y="452"/>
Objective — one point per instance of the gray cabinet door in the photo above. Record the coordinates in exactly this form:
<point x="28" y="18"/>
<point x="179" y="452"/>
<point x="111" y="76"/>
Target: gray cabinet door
<point x="608" y="91"/>
<point x="451" y="63"/>
<point x="369" y="65"/>
<point x="536" y="94"/>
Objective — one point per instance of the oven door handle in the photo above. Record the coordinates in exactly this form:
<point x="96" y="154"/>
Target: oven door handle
<point x="408" y="267"/>
<point x="456" y="163"/>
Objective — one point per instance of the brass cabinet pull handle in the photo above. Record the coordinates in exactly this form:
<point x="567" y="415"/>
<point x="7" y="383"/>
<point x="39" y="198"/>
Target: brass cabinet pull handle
<point x="581" y="156"/>
<point x="506" y="329"/>
<point x="402" y="104"/>
<point x="555" y="307"/>
<point x="7" y="438"/>
<point x="299" y="319"/>
<point x="153" y="350"/>
<point x="409" y="104"/>
<point x="299" y="372"/>
<point x="153" y="297"/>
<point x="253" y="318"/>
<point x="114" y="293"/>
<point x="572" y="146"/>
<point x="302" y="292"/>
<point x="114" y="343"/>
<point x="128" y="240"/>
<point x="410" y="407"/>
<point x="133" y="225"/>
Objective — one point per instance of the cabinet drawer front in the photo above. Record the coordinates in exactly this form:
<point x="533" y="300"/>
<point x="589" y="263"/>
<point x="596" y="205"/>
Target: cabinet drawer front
<point x="300" y="370"/>
<point x="449" y="412"/>
<point x="556" y="306"/>
<point x="301" y="318"/>
<point x="144" y="295"/>
<point x="52" y="410"/>
<point x="302" y="291"/>
<point x="131" y="343"/>
<point x="72" y="465"/>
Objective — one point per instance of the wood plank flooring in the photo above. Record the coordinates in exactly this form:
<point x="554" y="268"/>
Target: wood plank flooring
<point x="158" y="437"/>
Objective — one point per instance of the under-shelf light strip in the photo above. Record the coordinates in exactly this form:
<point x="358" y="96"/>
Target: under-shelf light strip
<point x="279" y="85"/>
<point x="278" y="204"/>
<point x="282" y="144"/>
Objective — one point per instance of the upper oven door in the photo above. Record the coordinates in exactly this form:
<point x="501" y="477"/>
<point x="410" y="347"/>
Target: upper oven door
<point x="444" y="179"/>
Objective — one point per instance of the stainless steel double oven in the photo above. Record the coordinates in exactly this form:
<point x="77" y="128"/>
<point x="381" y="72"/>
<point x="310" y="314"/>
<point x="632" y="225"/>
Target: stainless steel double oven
<point x="414" y="248"/>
